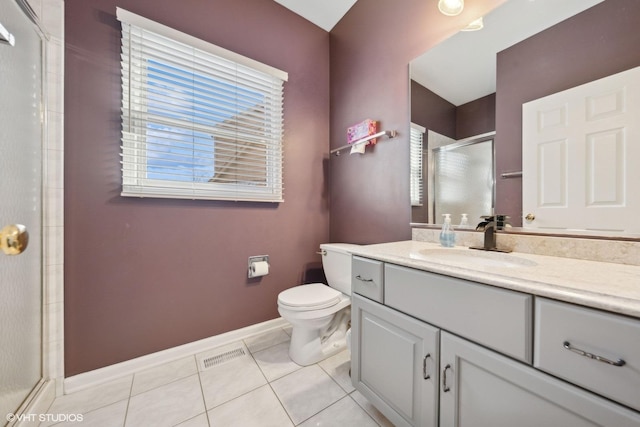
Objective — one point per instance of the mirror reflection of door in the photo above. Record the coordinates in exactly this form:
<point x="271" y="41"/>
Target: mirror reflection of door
<point x="580" y="151"/>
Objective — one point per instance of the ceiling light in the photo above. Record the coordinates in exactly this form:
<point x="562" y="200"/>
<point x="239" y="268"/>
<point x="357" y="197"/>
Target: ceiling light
<point x="476" y="25"/>
<point x="451" y="7"/>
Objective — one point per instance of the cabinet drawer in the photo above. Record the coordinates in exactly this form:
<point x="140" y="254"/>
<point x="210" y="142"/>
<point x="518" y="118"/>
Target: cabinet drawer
<point x="497" y="318"/>
<point x="597" y="334"/>
<point x="367" y="278"/>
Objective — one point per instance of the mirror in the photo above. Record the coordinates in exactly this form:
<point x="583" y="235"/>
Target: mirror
<point x="453" y="90"/>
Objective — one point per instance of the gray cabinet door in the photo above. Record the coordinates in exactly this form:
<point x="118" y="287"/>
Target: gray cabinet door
<point x="481" y="388"/>
<point x="394" y="363"/>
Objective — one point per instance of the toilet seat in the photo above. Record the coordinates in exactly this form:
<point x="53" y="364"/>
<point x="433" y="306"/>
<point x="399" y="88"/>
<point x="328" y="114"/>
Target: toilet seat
<point x="315" y="296"/>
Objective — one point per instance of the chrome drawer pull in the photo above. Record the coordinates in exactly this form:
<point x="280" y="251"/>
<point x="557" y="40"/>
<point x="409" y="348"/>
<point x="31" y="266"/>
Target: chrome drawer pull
<point x="362" y="279"/>
<point x="568" y="346"/>
<point x="424" y="367"/>
<point x="445" y="388"/>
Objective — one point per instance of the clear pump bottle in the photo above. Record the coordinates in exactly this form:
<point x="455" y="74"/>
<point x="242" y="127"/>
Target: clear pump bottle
<point x="464" y="221"/>
<point x="447" y="235"/>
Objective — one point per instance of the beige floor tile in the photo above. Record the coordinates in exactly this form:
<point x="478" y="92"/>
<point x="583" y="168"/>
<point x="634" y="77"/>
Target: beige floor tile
<point x="109" y="416"/>
<point x="230" y="380"/>
<point x="266" y="340"/>
<point x="370" y="409"/>
<point x="93" y="398"/>
<point x="338" y="367"/>
<point x="259" y="408"/>
<point x="200" y="421"/>
<point x="306" y="392"/>
<point x="275" y="361"/>
<point x="344" y="412"/>
<point x="163" y="374"/>
<point x="167" y="405"/>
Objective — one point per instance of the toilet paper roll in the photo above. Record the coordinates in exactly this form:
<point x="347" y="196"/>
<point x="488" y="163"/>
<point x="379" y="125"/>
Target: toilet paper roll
<point x="260" y="268"/>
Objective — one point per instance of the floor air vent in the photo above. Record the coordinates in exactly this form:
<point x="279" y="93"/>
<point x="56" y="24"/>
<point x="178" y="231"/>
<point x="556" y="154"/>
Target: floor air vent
<point x="222" y="358"/>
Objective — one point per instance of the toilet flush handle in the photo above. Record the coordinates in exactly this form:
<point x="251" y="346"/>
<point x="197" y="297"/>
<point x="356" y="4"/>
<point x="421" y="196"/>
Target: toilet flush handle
<point x="322" y="252"/>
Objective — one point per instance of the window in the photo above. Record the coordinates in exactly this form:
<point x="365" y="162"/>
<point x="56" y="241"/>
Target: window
<point x="415" y="154"/>
<point x="198" y="121"/>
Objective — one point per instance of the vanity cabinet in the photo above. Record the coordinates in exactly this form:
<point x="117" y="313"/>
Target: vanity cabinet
<point x="482" y="388"/>
<point x="596" y="350"/>
<point x="442" y="351"/>
<point x="394" y="362"/>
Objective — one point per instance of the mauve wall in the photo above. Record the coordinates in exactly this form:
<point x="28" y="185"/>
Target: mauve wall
<point x="142" y="275"/>
<point x="439" y="115"/>
<point x="601" y="41"/>
<point x="435" y="113"/>
<point x="476" y="117"/>
<point x="370" y="51"/>
<point x="431" y="111"/>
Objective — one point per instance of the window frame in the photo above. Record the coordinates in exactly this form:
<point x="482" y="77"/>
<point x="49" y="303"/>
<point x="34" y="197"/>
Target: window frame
<point x="135" y="174"/>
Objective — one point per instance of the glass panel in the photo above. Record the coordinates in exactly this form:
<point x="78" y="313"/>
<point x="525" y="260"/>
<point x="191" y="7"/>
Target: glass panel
<point x="463" y="181"/>
<point x="20" y="196"/>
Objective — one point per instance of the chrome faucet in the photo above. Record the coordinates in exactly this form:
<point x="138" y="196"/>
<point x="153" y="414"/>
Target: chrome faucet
<point x="490" y="224"/>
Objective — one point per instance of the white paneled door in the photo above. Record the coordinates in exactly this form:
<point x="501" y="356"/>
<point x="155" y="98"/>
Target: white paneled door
<point x="581" y="157"/>
<point x="20" y="203"/>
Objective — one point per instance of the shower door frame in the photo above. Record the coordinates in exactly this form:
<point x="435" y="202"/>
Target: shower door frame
<point x="50" y="384"/>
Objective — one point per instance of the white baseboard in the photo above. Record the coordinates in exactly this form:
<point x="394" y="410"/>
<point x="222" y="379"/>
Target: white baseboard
<point x="109" y="373"/>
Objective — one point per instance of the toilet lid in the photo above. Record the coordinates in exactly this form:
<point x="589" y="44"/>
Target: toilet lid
<point x="315" y="296"/>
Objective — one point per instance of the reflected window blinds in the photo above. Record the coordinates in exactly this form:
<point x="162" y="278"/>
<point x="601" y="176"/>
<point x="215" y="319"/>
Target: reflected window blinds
<point x="415" y="154"/>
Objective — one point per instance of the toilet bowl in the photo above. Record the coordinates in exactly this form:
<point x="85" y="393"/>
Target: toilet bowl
<point x="319" y="314"/>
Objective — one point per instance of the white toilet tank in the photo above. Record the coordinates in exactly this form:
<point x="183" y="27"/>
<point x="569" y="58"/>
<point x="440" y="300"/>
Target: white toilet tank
<point x="336" y="263"/>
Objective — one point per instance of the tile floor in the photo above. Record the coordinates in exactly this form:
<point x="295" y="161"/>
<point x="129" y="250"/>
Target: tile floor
<point x="261" y="388"/>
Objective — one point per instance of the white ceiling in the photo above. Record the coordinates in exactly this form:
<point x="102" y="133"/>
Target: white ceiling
<point x="463" y="67"/>
<point x="467" y="58"/>
<point x="324" y="13"/>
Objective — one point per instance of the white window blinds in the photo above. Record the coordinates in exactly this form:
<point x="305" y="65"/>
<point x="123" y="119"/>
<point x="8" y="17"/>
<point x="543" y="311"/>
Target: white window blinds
<point x="415" y="154"/>
<point x="198" y="121"/>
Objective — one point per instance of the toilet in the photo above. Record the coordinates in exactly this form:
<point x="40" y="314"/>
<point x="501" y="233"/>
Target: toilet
<point x="319" y="314"/>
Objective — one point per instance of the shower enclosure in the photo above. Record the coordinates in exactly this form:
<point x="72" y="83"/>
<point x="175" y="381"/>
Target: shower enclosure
<point x="21" y="138"/>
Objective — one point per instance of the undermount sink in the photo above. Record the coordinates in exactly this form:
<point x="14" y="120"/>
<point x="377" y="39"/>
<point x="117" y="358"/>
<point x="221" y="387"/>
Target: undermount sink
<point x="468" y="257"/>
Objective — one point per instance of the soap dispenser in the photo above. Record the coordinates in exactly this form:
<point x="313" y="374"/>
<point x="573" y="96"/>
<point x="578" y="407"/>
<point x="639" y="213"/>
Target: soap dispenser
<point x="464" y="221"/>
<point x="447" y="235"/>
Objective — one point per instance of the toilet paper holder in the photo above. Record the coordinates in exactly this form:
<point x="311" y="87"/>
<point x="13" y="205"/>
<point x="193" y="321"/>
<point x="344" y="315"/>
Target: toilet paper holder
<point x="252" y="260"/>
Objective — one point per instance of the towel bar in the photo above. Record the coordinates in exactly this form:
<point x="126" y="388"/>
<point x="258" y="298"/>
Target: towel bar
<point x="389" y="133"/>
<point x="506" y="175"/>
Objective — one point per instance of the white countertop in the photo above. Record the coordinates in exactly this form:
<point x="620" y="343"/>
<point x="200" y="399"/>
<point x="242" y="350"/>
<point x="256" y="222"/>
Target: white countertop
<point x="602" y="285"/>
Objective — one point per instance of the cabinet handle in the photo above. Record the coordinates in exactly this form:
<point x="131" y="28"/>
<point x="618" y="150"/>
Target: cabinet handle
<point x="618" y="362"/>
<point x="445" y="388"/>
<point x="424" y="367"/>
<point x="363" y="279"/>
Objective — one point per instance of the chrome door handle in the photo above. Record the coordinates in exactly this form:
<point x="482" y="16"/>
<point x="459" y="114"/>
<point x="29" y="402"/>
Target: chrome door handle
<point x="14" y="239"/>
<point x="363" y="279"/>
<point x="424" y="367"/>
<point x="576" y="350"/>
<point x="445" y="388"/>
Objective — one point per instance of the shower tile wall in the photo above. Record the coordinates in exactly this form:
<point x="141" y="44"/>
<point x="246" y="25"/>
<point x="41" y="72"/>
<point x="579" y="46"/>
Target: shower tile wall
<point x="51" y="15"/>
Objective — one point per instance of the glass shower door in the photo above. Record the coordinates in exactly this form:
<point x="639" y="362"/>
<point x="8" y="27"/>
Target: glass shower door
<point x="20" y="203"/>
